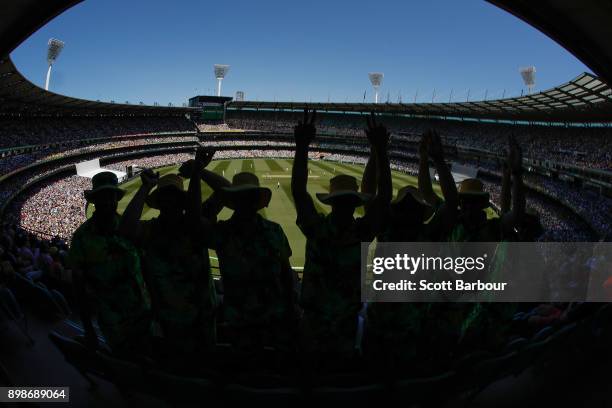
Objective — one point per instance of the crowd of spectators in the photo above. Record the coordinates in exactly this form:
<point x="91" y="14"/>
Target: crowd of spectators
<point x="218" y="127"/>
<point x="32" y="257"/>
<point x="589" y="147"/>
<point x="13" y="162"/>
<point x="26" y="131"/>
<point x="58" y="207"/>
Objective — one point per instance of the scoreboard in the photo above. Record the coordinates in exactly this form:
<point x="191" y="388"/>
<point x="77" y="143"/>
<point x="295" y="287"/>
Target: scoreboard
<point x="213" y="107"/>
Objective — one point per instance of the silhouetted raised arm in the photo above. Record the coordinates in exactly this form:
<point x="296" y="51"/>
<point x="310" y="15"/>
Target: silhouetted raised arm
<point x="304" y="133"/>
<point x="378" y="136"/>
<point x="202" y="158"/>
<point x="425" y="183"/>
<point x="213" y="205"/>
<point x="447" y="182"/>
<point x="128" y="227"/>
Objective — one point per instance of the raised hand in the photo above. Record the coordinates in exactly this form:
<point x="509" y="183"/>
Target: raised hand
<point x="305" y="130"/>
<point x="149" y="178"/>
<point x="515" y="155"/>
<point x="186" y="168"/>
<point x="377" y="134"/>
<point x="204" y="155"/>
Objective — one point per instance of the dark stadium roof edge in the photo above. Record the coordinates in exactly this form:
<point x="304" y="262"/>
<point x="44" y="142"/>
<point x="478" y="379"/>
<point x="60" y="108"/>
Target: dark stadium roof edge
<point x="20" y="18"/>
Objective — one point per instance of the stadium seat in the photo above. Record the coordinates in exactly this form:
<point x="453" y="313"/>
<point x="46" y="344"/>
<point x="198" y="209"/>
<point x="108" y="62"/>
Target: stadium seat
<point x="23" y="288"/>
<point x="182" y="390"/>
<point x="533" y="352"/>
<point x="602" y="322"/>
<point x="11" y="312"/>
<point x="348" y="395"/>
<point x="264" y="380"/>
<point x="415" y="390"/>
<point x="241" y="395"/>
<point x="76" y="354"/>
<point x="543" y="333"/>
<point x="46" y="304"/>
<point x="344" y="380"/>
<point x="127" y="376"/>
<point x="516" y="344"/>
<point x="470" y="359"/>
<point x="486" y="372"/>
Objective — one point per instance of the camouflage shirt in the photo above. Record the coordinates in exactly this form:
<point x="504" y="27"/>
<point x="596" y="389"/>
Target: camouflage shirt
<point x="114" y="282"/>
<point x="253" y="260"/>
<point x="177" y="270"/>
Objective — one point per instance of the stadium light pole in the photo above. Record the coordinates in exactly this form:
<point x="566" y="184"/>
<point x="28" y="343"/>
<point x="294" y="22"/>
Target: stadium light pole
<point x="376" y="80"/>
<point x="55" y="46"/>
<point x="220" y="73"/>
<point x="528" y="75"/>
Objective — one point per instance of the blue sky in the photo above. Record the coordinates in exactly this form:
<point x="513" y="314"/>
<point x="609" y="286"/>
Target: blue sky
<point x="317" y="50"/>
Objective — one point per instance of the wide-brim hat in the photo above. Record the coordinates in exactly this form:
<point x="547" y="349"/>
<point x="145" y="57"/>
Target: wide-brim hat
<point x="343" y="186"/>
<point x="245" y="185"/>
<point x="104" y="181"/>
<point x="472" y="189"/>
<point x="170" y="183"/>
<point x="410" y="193"/>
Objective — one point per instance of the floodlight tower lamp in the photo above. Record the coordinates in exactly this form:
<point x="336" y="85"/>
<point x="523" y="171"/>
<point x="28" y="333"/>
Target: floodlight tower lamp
<point x="376" y="79"/>
<point x="54" y="49"/>
<point x="528" y="75"/>
<point x="220" y="73"/>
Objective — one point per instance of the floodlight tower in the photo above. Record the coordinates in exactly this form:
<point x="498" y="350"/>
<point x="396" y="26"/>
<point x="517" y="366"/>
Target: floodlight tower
<point x="239" y="96"/>
<point x="528" y="75"/>
<point x="55" y="46"/>
<point x="376" y="79"/>
<point x="220" y="73"/>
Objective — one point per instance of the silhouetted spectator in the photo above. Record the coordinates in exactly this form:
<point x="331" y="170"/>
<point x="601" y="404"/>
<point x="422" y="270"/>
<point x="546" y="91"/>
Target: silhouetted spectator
<point x="331" y="281"/>
<point x="259" y="296"/>
<point x="175" y="262"/>
<point x="107" y="275"/>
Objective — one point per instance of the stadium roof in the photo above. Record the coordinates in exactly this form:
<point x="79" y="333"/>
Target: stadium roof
<point x="19" y="96"/>
<point x="584" y="99"/>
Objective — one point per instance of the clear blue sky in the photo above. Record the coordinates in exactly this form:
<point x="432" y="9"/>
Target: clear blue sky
<point x="153" y="50"/>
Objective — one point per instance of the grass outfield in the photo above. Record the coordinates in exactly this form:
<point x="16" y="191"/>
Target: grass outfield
<point x="281" y="209"/>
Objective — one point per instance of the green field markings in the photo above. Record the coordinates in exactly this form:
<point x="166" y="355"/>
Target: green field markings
<point x="221" y="166"/>
<point x="273" y="165"/>
<point x="288" y="208"/>
<point x="260" y="167"/>
<point x="319" y="207"/>
<point x="247" y="165"/>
